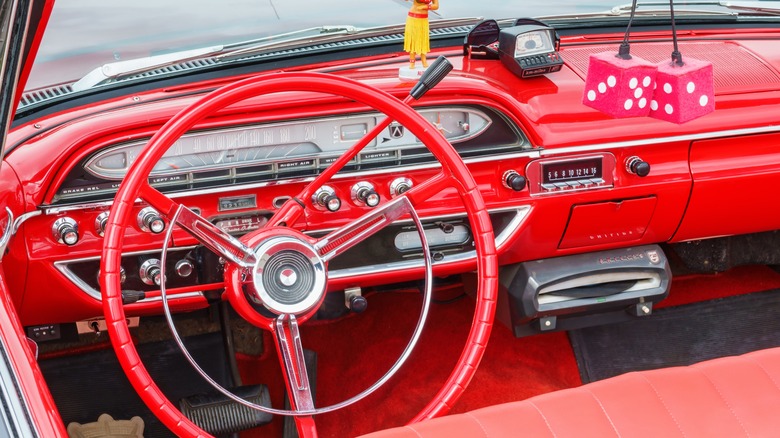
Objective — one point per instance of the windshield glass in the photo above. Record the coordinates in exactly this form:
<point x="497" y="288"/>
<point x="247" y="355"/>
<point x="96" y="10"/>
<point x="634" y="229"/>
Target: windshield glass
<point x="85" y="34"/>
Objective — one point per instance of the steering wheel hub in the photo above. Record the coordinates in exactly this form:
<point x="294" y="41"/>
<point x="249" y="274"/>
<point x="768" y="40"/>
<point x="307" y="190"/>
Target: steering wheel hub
<point x="289" y="275"/>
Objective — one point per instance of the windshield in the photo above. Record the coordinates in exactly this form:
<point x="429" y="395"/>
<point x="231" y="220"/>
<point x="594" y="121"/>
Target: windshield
<point x="84" y="35"/>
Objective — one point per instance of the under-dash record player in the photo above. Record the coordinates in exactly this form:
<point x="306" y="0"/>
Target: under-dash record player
<point x="580" y="290"/>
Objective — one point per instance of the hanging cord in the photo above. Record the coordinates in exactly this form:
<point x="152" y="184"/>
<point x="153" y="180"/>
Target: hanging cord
<point x="624" y="51"/>
<point x="676" y="55"/>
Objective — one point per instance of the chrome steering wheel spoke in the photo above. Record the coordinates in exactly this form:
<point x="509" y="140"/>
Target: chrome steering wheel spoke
<point x="358" y="230"/>
<point x="288" y="339"/>
<point x="214" y="238"/>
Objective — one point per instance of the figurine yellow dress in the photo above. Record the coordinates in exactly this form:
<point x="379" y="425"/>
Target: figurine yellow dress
<point x="416" y="34"/>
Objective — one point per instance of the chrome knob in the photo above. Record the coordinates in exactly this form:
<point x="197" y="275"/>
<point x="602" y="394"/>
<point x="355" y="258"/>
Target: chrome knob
<point x="100" y="223"/>
<point x="184" y="268"/>
<point x="149" y="220"/>
<point x="363" y="193"/>
<point x="399" y="186"/>
<point x="65" y="230"/>
<point x="150" y="272"/>
<point x="637" y="166"/>
<point x="325" y="199"/>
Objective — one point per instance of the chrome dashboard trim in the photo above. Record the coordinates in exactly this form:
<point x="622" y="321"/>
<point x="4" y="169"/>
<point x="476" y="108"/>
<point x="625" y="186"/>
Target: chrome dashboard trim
<point x="50" y="210"/>
<point x="521" y="213"/>
<point x="62" y="266"/>
<point x="520" y="217"/>
<point x="659" y="140"/>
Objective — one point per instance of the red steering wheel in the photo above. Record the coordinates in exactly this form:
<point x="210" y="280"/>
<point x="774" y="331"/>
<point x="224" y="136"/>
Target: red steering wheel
<point x="253" y="262"/>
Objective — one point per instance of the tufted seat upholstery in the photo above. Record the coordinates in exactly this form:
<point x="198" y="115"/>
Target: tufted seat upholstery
<point x="727" y="397"/>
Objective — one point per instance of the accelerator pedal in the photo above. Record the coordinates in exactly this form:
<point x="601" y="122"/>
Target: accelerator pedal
<point x="219" y="415"/>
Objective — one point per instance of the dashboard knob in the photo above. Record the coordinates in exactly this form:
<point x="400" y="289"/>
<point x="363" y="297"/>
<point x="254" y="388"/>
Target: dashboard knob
<point x="100" y="223"/>
<point x="149" y="220"/>
<point x="358" y="303"/>
<point x="363" y="193"/>
<point x="399" y="186"/>
<point x="184" y="268"/>
<point x="65" y="230"/>
<point x="150" y="272"/>
<point x="514" y="180"/>
<point x="637" y="166"/>
<point x="325" y="199"/>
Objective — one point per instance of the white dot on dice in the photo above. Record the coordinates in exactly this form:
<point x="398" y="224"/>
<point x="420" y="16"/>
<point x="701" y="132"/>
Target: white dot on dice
<point x="633" y="83"/>
<point x="611" y="81"/>
<point x="602" y="87"/>
<point x="668" y="88"/>
<point x="703" y="100"/>
<point x="637" y="93"/>
<point x="629" y="103"/>
<point x="668" y="108"/>
<point x="646" y="81"/>
<point x="653" y="105"/>
<point x="690" y="87"/>
<point x="642" y="102"/>
<point x="591" y="95"/>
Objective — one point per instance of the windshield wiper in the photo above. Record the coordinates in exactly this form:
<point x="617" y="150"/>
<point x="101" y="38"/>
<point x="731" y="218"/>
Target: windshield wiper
<point x="335" y="35"/>
<point x="224" y="53"/>
<point x="114" y="70"/>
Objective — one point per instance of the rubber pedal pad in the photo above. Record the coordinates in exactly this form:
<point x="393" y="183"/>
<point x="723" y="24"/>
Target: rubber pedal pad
<point x="218" y="415"/>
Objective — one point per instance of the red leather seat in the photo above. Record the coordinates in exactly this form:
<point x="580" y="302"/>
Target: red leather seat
<point x="726" y="397"/>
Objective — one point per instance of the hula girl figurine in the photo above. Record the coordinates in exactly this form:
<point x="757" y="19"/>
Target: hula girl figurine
<point x="416" y="34"/>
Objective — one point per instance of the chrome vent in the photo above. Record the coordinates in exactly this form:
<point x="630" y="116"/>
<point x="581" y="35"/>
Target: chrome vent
<point x="44" y="94"/>
<point x="175" y="68"/>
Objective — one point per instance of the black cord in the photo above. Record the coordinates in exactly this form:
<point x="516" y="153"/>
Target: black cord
<point x="676" y="55"/>
<point x="624" y="51"/>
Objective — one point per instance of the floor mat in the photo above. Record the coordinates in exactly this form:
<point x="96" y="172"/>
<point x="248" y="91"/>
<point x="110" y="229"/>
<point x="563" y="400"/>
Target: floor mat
<point x="679" y="335"/>
<point x="87" y="385"/>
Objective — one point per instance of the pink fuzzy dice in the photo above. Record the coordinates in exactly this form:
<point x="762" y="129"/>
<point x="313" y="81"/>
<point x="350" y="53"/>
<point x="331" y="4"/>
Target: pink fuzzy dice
<point x="684" y="92"/>
<point x="619" y="87"/>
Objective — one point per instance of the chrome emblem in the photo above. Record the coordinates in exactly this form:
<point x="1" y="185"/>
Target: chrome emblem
<point x="654" y="257"/>
<point x="288" y="277"/>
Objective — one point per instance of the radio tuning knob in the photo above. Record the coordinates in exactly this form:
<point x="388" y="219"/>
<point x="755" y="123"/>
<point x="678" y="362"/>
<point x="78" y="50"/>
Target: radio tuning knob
<point x="514" y="180"/>
<point x="325" y="199"/>
<point x="149" y="220"/>
<point x="637" y="166"/>
<point x="65" y="230"/>
<point x="399" y="186"/>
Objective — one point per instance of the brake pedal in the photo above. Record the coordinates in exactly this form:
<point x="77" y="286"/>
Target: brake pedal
<point x="219" y="415"/>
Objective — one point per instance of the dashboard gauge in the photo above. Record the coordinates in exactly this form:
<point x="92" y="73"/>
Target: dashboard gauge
<point x="310" y="143"/>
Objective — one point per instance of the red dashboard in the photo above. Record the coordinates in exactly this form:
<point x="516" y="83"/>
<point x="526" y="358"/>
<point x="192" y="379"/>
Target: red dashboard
<point x="580" y="190"/>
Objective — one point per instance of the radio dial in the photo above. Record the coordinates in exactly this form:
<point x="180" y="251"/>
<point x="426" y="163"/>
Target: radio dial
<point x="514" y="180"/>
<point x="637" y="166"/>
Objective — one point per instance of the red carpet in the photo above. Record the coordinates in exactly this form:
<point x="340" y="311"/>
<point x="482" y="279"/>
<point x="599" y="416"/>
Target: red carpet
<point x="355" y="351"/>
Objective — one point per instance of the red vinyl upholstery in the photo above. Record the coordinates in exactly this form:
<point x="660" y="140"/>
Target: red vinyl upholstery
<point x="727" y="397"/>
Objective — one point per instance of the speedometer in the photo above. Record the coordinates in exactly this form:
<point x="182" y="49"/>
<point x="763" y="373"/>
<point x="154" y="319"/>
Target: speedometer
<point x="250" y="146"/>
